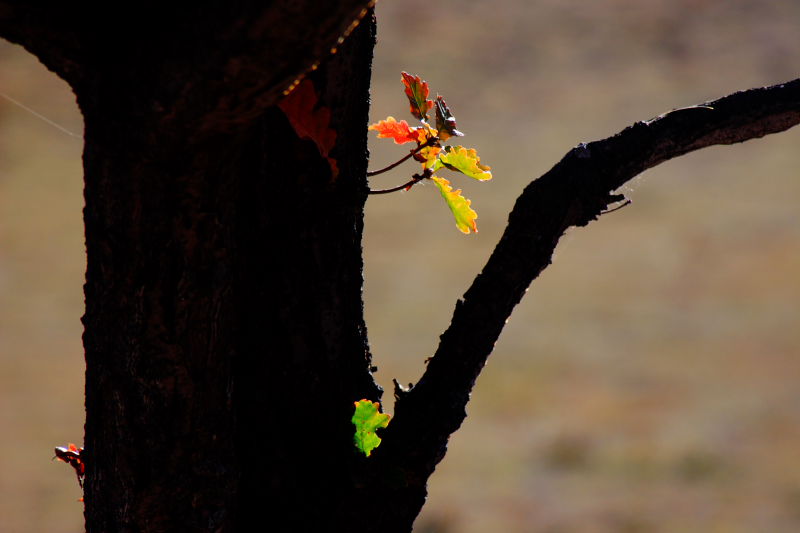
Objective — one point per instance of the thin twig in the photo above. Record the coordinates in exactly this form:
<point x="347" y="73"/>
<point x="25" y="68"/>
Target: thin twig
<point x="411" y="154"/>
<point x="395" y="189"/>
<point x="396" y="163"/>
<point x="617" y="208"/>
<point x="407" y="185"/>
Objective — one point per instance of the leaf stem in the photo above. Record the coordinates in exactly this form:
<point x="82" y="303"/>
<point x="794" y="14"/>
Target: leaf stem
<point x="416" y="178"/>
<point x="429" y="142"/>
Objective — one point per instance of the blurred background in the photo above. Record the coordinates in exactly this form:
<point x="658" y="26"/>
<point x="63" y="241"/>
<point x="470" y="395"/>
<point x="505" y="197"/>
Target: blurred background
<point x="648" y="381"/>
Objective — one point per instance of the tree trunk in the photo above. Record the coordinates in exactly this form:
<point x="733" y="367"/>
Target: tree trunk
<point x="224" y="335"/>
<point x="224" y="332"/>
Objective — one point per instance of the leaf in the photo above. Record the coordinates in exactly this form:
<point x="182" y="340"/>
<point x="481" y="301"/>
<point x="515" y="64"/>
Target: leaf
<point x="465" y="216"/>
<point x="310" y="120"/>
<point x="417" y="91"/>
<point x="465" y="161"/>
<point x="445" y="121"/>
<point x="428" y="156"/>
<point x="425" y="133"/>
<point x="72" y="455"/>
<point x="401" y="132"/>
<point x="367" y="419"/>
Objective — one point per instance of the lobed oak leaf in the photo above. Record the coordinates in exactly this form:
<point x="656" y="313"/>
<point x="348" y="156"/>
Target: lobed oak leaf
<point x="310" y="120"/>
<point x="445" y="121"/>
<point x="465" y="161"/>
<point x="421" y="135"/>
<point x="417" y="91"/>
<point x="401" y="132"/>
<point x="465" y="216"/>
<point x="367" y="419"/>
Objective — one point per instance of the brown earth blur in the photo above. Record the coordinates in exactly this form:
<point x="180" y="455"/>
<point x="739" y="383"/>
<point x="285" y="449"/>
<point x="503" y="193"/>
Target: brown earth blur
<point x="650" y="381"/>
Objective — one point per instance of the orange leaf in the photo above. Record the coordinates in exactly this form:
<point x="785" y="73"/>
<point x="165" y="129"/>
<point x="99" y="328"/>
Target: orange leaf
<point x="424" y="133"/>
<point x="401" y="132"/>
<point x="310" y="120"/>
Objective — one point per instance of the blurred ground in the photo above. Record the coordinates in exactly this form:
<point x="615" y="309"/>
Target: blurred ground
<point x="648" y="382"/>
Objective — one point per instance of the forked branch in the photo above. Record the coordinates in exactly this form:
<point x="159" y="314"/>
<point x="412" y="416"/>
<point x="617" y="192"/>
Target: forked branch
<point x="573" y="193"/>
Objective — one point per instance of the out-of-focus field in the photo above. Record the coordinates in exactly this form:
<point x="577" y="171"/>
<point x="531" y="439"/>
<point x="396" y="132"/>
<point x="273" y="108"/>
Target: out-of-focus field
<point x="650" y="381"/>
<point x="42" y="262"/>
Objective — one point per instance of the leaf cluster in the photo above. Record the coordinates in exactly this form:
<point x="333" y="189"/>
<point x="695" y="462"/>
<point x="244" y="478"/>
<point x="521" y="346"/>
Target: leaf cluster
<point x="430" y="150"/>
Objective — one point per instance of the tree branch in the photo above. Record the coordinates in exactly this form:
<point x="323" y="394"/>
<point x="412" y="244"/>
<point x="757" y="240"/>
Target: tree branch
<point x="573" y="193"/>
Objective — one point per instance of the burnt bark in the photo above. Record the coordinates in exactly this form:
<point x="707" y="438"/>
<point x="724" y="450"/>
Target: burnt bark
<point x="224" y="333"/>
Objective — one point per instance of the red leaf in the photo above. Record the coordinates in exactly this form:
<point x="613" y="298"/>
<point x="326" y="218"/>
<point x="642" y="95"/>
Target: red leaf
<point x="417" y="91"/>
<point x="445" y="121"/>
<point x="310" y="120"/>
<point x="72" y="455"/>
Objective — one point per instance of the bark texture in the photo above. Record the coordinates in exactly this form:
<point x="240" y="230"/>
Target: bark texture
<point x="224" y="332"/>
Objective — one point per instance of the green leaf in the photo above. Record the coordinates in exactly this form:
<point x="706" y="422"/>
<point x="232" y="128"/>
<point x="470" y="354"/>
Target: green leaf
<point x="465" y="161"/>
<point x="417" y="91"/>
<point x="465" y="216"/>
<point x="445" y="121"/>
<point x="367" y="419"/>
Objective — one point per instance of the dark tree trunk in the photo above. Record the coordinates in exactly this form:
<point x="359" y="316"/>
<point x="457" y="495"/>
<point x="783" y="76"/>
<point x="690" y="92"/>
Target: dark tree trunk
<point x="224" y="336"/>
<point x="224" y="333"/>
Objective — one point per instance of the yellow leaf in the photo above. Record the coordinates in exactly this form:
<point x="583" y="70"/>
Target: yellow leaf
<point x="428" y="156"/>
<point x="467" y="162"/>
<point x="465" y="216"/>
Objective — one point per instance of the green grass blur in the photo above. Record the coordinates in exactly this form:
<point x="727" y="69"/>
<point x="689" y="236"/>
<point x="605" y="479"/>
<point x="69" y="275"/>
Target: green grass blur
<point x="649" y="380"/>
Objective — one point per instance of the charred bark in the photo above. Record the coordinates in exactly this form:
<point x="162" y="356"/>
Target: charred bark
<point x="224" y="333"/>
